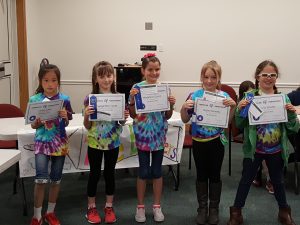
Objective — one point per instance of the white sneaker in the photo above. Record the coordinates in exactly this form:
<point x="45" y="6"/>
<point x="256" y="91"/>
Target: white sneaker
<point x="158" y="215"/>
<point x="140" y="215"/>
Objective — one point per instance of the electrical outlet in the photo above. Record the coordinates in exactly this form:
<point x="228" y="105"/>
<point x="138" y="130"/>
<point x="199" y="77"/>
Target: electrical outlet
<point x="148" y="47"/>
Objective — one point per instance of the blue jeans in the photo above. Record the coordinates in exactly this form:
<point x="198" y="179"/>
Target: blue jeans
<point x="275" y="165"/>
<point x="41" y="167"/>
<point x="153" y="170"/>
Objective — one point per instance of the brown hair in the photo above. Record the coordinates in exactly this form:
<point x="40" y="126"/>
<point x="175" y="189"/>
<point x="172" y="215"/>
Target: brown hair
<point x="102" y="68"/>
<point x="215" y="67"/>
<point x="45" y="67"/>
<point x="260" y="68"/>
<point x="147" y="59"/>
<point x="244" y="87"/>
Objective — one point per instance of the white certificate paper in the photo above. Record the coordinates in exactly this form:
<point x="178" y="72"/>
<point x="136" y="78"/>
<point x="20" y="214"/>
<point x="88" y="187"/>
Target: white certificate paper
<point x="47" y="110"/>
<point x="152" y="98"/>
<point x="211" y="113"/>
<point x="272" y="107"/>
<point x="108" y="107"/>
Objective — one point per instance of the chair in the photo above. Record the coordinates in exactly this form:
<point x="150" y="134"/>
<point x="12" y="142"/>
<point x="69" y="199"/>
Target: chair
<point x="295" y="158"/>
<point x="188" y="142"/>
<point x="231" y="127"/>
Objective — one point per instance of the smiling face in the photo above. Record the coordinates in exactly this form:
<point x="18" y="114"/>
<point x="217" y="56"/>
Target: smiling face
<point x="50" y="83"/>
<point x="210" y="80"/>
<point x="105" y="81"/>
<point x="151" y="72"/>
<point x="267" y="82"/>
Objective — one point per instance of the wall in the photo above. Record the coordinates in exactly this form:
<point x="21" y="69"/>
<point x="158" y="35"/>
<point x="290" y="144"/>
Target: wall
<point x="75" y="34"/>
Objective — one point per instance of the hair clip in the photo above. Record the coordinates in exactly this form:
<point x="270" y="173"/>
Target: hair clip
<point x="148" y="55"/>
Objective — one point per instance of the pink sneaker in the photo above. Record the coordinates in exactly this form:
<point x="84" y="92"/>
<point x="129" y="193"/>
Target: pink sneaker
<point x="93" y="216"/>
<point x="51" y="219"/>
<point x="35" y="221"/>
<point x="110" y="216"/>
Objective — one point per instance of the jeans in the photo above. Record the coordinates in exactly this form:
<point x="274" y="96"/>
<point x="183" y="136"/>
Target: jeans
<point x="41" y="166"/>
<point x="275" y="165"/>
<point x="153" y="170"/>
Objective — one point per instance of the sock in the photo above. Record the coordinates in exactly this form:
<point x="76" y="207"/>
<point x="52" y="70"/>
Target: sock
<point x="156" y="206"/>
<point x="92" y="205"/>
<point x="51" y="207"/>
<point x="108" y="204"/>
<point x="140" y="206"/>
<point x="37" y="213"/>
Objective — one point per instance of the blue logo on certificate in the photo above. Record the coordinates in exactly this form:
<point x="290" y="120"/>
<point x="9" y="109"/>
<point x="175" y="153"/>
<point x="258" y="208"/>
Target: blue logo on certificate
<point x="93" y="102"/>
<point x="32" y="118"/>
<point x="199" y="117"/>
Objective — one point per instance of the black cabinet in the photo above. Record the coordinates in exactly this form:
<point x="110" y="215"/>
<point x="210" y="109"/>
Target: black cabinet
<point x="126" y="77"/>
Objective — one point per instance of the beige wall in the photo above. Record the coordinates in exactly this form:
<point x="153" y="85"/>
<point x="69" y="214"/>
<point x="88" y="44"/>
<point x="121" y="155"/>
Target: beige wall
<point x="75" y="34"/>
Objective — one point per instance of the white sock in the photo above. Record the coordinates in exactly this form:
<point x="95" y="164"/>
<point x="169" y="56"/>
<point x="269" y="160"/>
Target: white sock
<point x="107" y="204"/>
<point x="37" y="213"/>
<point x="51" y="207"/>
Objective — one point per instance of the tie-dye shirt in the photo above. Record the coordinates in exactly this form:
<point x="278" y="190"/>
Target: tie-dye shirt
<point x="51" y="138"/>
<point x="204" y="133"/>
<point x="150" y="129"/>
<point x="104" y="135"/>
<point x="268" y="138"/>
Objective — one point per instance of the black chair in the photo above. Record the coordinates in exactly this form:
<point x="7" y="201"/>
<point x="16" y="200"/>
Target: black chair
<point x="295" y="158"/>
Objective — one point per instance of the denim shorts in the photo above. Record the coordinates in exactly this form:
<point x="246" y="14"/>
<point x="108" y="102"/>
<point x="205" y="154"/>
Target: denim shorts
<point x="42" y="168"/>
<point x="153" y="170"/>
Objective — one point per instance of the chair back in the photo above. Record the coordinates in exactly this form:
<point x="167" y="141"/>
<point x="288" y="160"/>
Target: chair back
<point x="9" y="111"/>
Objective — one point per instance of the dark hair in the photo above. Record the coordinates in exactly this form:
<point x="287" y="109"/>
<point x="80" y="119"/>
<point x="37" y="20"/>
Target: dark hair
<point x="147" y="59"/>
<point x="298" y="89"/>
<point x="244" y="87"/>
<point x="102" y="68"/>
<point x="260" y="68"/>
<point x="45" y="67"/>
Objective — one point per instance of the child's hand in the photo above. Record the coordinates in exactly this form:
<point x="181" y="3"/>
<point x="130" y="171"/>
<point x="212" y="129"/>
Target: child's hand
<point x="172" y="100"/>
<point x="229" y="102"/>
<point x="189" y="104"/>
<point x="63" y="114"/>
<point x="37" y="123"/>
<point x="290" y="107"/>
<point x="243" y="103"/>
<point x="126" y="113"/>
<point x="132" y="93"/>
<point x="88" y="110"/>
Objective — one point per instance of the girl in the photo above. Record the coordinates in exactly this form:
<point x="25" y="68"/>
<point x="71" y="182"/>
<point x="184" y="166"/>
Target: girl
<point x="50" y="143"/>
<point x="103" y="139"/>
<point x="264" y="142"/>
<point x="208" y="146"/>
<point x="150" y="133"/>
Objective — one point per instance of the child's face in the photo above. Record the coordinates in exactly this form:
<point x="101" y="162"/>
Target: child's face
<point x="210" y="80"/>
<point x="151" y="72"/>
<point x="267" y="78"/>
<point x="105" y="82"/>
<point x="50" y="84"/>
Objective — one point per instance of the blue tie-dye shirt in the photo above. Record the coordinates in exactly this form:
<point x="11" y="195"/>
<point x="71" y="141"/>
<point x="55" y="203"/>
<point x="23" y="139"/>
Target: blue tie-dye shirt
<point x="204" y="133"/>
<point x="150" y="129"/>
<point x="104" y="135"/>
<point x="51" y="138"/>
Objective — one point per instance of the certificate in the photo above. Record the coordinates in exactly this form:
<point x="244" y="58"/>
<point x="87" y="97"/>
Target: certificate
<point x="211" y="113"/>
<point x="272" y="107"/>
<point x="108" y="107"/>
<point x="152" y="98"/>
<point x="47" y="110"/>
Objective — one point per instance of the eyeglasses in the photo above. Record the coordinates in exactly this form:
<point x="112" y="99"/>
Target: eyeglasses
<point x="268" y="75"/>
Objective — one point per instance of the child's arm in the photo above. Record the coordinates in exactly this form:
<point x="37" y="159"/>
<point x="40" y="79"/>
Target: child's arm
<point x="172" y="101"/>
<point x="188" y="105"/>
<point x="230" y="102"/>
<point x="239" y="120"/>
<point x="126" y="113"/>
<point x="131" y="105"/>
<point x="87" y="112"/>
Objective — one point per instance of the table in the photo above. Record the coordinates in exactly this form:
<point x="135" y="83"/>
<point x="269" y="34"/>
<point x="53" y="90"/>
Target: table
<point x="8" y="157"/>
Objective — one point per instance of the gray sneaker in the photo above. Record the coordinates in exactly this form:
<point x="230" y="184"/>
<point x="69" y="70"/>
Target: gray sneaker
<point x="158" y="215"/>
<point x="140" y="215"/>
